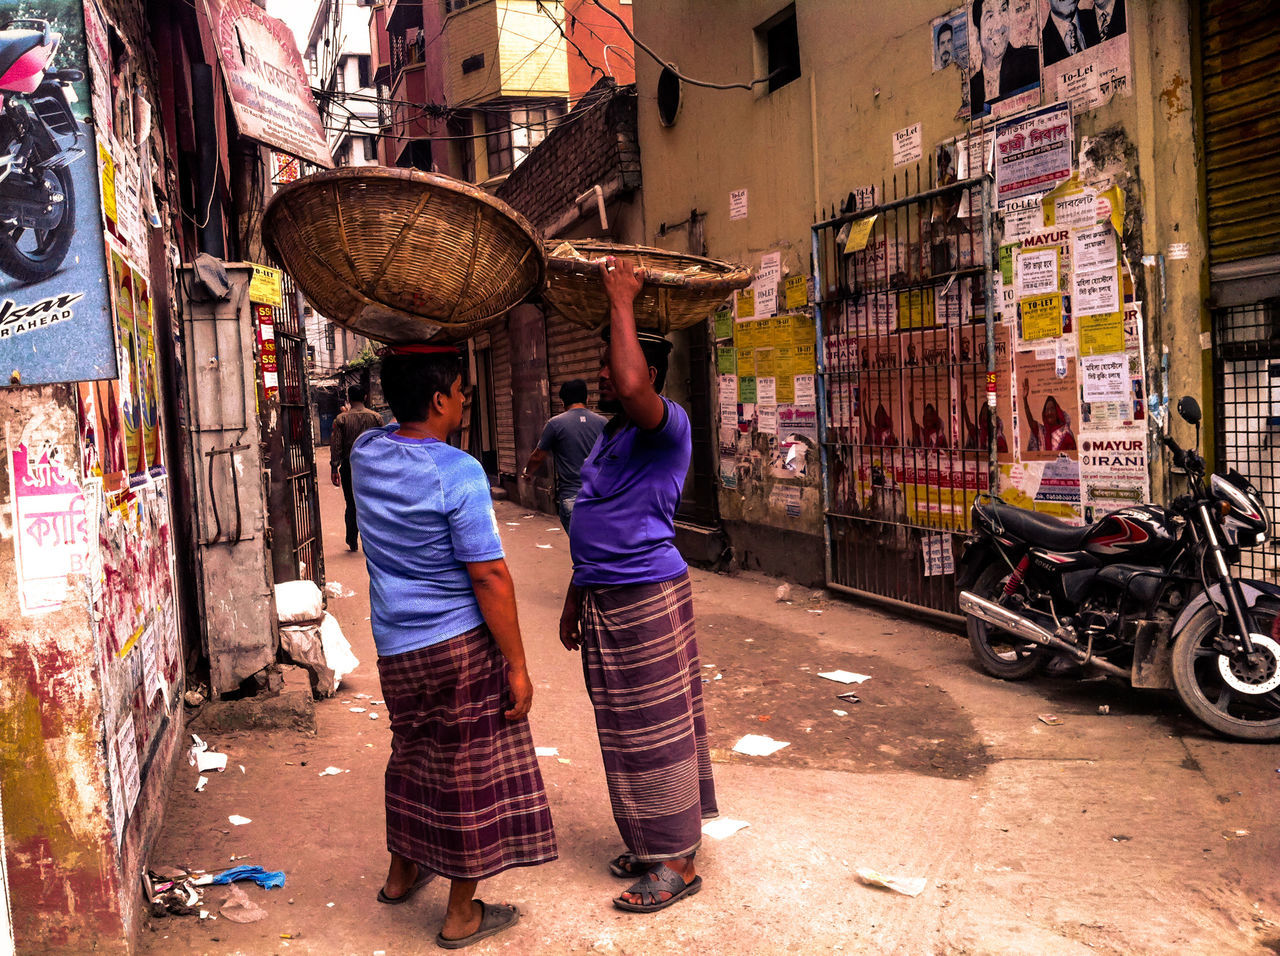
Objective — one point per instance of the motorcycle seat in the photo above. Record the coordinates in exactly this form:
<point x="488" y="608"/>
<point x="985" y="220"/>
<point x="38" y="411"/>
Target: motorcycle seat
<point x="1036" y="529"/>
<point x="15" y="44"/>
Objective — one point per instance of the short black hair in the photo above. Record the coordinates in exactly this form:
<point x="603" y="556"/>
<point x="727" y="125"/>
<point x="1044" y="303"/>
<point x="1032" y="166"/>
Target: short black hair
<point x="946" y="25"/>
<point x="656" y="349"/>
<point x="977" y="14"/>
<point x="573" y="392"/>
<point x="356" y="393"/>
<point x="410" y="382"/>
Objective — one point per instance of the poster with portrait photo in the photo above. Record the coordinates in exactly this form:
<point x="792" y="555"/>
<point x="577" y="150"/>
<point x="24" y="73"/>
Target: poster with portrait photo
<point x="950" y="34"/>
<point x="1049" y="406"/>
<point x="1004" y="57"/>
<point x="1084" y="51"/>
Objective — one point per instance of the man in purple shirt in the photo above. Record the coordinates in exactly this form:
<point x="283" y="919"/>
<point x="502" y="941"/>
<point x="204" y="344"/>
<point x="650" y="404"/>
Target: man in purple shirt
<point x="630" y="610"/>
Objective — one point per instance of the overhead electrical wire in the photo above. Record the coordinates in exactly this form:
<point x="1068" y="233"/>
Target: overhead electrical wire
<point x="684" y="79"/>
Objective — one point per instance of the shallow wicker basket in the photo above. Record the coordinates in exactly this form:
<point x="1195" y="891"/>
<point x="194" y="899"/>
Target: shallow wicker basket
<point x="401" y="255"/>
<point x="679" y="291"/>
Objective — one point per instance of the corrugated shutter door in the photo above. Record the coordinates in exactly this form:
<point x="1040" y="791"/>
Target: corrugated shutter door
<point x="1241" y="100"/>
<point x="502" y="401"/>
<point x="572" y="352"/>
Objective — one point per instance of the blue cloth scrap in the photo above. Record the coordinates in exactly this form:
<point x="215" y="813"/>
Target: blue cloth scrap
<point x="268" y="880"/>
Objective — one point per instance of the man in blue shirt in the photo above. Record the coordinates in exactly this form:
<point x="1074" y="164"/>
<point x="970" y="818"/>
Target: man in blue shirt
<point x="630" y="610"/>
<point x="464" y="797"/>
<point x="569" y="438"/>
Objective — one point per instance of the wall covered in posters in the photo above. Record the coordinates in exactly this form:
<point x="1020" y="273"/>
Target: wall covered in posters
<point x="768" y="419"/>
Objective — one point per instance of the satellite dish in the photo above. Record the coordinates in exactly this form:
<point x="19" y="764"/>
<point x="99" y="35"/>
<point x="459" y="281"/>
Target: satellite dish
<point x="668" y="96"/>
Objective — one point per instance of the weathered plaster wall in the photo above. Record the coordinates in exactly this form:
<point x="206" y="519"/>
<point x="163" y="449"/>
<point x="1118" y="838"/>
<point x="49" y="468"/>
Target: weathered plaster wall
<point x="866" y="73"/>
<point x="64" y="878"/>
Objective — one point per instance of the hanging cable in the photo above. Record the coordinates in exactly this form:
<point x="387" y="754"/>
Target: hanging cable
<point x="685" y="79"/>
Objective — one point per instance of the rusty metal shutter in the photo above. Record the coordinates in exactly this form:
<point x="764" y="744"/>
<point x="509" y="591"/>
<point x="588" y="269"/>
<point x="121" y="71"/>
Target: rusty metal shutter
<point x="572" y="352"/>
<point x="1240" y="79"/>
<point x="502" y="401"/>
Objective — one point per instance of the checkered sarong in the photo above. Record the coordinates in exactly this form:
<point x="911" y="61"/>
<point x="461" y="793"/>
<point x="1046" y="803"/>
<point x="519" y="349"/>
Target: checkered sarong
<point x="464" y="794"/>
<point x="640" y="660"/>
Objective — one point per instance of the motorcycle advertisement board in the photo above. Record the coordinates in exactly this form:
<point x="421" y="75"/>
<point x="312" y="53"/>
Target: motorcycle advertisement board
<point x="56" y="320"/>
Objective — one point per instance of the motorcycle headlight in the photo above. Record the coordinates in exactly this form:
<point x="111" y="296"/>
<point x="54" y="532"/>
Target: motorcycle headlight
<point x="1246" y="519"/>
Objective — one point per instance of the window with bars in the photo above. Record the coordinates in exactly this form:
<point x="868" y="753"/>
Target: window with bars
<point x="512" y="134"/>
<point x="330" y="337"/>
<point x="452" y="6"/>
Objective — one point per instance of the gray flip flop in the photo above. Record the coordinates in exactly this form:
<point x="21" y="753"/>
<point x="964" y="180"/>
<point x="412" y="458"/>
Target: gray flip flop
<point x="425" y="876"/>
<point x="494" y="918"/>
<point x="661" y="879"/>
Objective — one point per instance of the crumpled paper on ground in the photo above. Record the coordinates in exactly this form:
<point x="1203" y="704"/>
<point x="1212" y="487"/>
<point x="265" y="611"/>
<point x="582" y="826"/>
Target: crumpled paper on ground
<point x="240" y="909"/>
<point x="906" y="885"/>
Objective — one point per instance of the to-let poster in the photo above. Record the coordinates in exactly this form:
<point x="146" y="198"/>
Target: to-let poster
<point x="1041" y="317"/>
<point x="1099" y="69"/>
<point x="1049" y="406"/>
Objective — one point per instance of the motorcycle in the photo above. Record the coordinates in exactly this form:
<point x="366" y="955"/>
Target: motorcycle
<point x="1146" y="594"/>
<point x="37" y="196"/>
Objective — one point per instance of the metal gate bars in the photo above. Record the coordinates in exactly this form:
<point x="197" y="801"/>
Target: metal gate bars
<point x="906" y="371"/>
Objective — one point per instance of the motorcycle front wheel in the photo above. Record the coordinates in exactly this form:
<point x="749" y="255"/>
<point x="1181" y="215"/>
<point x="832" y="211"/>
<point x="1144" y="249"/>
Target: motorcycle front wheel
<point x="1000" y="653"/>
<point x="30" y="255"/>
<point x="1235" y="698"/>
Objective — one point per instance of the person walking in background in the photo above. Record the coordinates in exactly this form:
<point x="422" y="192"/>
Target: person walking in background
<point x="347" y="427"/>
<point x="464" y="796"/>
<point x="568" y="437"/>
<point x="629" y="608"/>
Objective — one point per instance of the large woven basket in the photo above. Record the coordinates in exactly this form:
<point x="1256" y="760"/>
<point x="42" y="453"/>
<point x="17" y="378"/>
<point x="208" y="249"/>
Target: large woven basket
<point x="401" y="255"/>
<point x="679" y="291"/>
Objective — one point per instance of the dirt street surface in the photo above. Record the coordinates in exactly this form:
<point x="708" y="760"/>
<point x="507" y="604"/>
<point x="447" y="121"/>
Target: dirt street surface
<point x="1129" y="832"/>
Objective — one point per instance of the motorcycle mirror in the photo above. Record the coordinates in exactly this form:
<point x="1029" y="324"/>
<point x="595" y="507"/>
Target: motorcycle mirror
<point x="1189" y="409"/>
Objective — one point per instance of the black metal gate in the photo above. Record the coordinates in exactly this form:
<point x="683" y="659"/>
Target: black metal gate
<point x="906" y="362"/>
<point x="297" y="545"/>
<point x="1246" y="384"/>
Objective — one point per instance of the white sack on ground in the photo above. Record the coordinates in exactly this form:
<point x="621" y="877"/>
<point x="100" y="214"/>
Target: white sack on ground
<point x="322" y="650"/>
<point x="298" y="602"/>
<point x="337" y="651"/>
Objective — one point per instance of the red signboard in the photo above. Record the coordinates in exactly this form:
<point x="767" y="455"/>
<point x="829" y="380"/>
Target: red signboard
<point x="267" y="350"/>
<point x="270" y="93"/>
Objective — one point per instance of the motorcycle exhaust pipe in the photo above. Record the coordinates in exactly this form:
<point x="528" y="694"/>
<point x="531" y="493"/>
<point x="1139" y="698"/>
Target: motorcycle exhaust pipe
<point x="1014" y="623"/>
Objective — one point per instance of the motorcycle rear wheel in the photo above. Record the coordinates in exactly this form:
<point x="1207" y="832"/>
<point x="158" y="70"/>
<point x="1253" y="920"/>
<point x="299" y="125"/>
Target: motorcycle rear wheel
<point x="1198" y="678"/>
<point x="31" y="255"/>
<point x="1000" y="653"/>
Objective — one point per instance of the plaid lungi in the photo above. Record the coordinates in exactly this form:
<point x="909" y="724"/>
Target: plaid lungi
<point x="463" y="791"/>
<point x="640" y="660"/>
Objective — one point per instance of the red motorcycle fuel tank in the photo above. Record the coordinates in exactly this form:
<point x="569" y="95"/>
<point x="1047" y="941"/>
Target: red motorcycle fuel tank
<point x="1137" y="533"/>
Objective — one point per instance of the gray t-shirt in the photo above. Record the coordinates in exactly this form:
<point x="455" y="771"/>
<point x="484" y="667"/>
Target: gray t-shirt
<point x="569" y="437"/>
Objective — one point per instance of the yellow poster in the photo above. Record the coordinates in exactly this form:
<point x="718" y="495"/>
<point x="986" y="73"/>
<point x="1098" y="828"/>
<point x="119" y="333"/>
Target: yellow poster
<point x="746" y="362"/>
<point x="766" y="363"/>
<point x="803" y="331"/>
<point x="859" y="234"/>
<point x="264" y="287"/>
<point x="108" y="184"/>
<point x="796" y="292"/>
<point x="803" y="360"/>
<point x="1101" y="334"/>
<point x="746" y="304"/>
<point x="749" y="336"/>
<point x="915" y="309"/>
<point x="1041" y="317"/>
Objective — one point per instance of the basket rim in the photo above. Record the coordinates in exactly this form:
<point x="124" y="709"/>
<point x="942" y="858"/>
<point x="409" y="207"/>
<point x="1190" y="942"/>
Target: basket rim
<point x="279" y="202"/>
<point x="725" y="271"/>
<point x="393" y="173"/>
